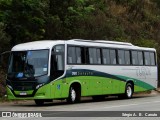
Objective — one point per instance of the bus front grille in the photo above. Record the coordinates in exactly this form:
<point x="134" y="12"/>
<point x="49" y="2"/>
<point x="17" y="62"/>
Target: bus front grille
<point x="23" y="86"/>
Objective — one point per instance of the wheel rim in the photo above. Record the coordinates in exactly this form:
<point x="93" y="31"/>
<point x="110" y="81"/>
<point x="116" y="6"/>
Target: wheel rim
<point x="129" y="91"/>
<point x="73" y="95"/>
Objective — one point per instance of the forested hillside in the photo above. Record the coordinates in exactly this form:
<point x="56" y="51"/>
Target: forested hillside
<point x="135" y="21"/>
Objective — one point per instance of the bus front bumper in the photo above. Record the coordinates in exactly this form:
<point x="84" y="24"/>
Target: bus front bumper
<point x="42" y="93"/>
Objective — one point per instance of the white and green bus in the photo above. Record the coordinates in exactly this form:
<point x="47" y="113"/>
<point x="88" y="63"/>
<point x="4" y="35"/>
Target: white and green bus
<point x="47" y="70"/>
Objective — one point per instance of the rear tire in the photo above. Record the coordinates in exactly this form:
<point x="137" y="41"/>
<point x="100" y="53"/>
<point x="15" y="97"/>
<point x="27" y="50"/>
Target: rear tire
<point x="129" y="91"/>
<point x="74" y="95"/>
<point x="39" y="102"/>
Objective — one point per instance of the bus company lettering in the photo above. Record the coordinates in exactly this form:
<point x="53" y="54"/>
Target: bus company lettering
<point x="143" y="71"/>
<point x="74" y="73"/>
<point x="82" y="73"/>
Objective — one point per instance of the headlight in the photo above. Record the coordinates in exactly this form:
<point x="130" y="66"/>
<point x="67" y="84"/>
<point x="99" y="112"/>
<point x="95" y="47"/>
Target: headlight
<point x="10" y="87"/>
<point x="40" y="85"/>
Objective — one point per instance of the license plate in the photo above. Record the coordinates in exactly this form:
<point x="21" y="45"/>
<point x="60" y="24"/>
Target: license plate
<point x="22" y="93"/>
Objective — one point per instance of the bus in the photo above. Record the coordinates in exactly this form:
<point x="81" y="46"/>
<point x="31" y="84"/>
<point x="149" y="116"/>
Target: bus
<point x="71" y="69"/>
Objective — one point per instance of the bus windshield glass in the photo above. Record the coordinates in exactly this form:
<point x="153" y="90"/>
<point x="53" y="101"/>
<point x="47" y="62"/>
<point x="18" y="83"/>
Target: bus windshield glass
<point x="28" y="63"/>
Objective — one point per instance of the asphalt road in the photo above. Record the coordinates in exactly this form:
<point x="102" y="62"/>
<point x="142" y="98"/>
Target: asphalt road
<point x="90" y="109"/>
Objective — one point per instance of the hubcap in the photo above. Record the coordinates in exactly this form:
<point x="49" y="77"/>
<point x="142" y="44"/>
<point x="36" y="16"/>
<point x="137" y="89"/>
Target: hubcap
<point x="73" y="94"/>
<point x="129" y="91"/>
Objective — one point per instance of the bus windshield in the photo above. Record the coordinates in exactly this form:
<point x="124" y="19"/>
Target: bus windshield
<point x="31" y="63"/>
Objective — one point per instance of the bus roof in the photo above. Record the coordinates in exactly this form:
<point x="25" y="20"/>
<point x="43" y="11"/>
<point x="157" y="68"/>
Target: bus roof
<point x="48" y="44"/>
<point x="102" y="41"/>
<point x="35" y="45"/>
<point x="110" y="44"/>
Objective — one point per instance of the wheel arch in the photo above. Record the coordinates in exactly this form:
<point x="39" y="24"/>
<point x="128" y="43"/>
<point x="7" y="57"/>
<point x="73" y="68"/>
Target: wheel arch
<point x="74" y="93"/>
<point x="77" y="85"/>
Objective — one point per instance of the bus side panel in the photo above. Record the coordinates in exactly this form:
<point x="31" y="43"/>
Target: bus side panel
<point x="113" y="86"/>
<point x="59" y="89"/>
<point x="56" y="89"/>
<point x="82" y="80"/>
<point x="139" y="89"/>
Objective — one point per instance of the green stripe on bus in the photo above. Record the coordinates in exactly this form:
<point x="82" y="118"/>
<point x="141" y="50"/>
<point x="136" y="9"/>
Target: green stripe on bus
<point x="137" y="82"/>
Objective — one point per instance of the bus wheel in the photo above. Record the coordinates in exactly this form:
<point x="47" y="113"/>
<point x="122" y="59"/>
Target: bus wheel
<point x="74" y="95"/>
<point x="129" y="90"/>
<point x="39" y="102"/>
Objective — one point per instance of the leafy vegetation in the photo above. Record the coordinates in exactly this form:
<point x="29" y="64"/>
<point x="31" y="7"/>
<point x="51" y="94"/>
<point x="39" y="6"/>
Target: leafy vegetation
<point x="135" y="21"/>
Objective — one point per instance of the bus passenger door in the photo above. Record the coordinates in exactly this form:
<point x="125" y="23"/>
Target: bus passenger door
<point x="57" y="70"/>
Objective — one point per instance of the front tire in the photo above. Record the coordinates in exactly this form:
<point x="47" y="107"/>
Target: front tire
<point x="74" y="95"/>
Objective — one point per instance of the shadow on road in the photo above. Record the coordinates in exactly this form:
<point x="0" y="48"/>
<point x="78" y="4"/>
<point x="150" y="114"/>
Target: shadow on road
<point x="83" y="100"/>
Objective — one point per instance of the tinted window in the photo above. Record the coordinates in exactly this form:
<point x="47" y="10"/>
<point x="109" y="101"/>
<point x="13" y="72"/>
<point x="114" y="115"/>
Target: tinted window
<point x="134" y="58"/>
<point x="152" y="56"/>
<point x="94" y="56"/>
<point x="147" y="58"/>
<point x="127" y="57"/>
<point x="78" y="55"/>
<point x="106" y="56"/>
<point x="113" y="56"/>
<point x="71" y="55"/>
<point x="98" y="56"/>
<point x="121" y="57"/>
<point x="140" y="58"/>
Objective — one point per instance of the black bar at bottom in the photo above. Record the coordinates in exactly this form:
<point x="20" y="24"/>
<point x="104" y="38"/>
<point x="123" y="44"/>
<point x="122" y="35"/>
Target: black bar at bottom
<point x="26" y="114"/>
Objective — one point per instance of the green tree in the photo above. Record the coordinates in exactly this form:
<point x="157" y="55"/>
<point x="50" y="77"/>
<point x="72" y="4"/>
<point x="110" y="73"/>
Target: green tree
<point x="65" y="18"/>
<point x="4" y="38"/>
<point x="24" y="19"/>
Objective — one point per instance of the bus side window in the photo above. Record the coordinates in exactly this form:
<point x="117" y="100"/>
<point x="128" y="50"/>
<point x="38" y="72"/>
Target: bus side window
<point x="98" y="56"/>
<point x="121" y="57"/>
<point x="127" y="57"/>
<point x="71" y="55"/>
<point x="78" y="55"/>
<point x="134" y="58"/>
<point x="106" y="56"/>
<point x="92" y="56"/>
<point x="147" y="58"/>
<point x="75" y="55"/>
<point x="113" y="57"/>
<point x="140" y="57"/>
<point x="152" y="56"/>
